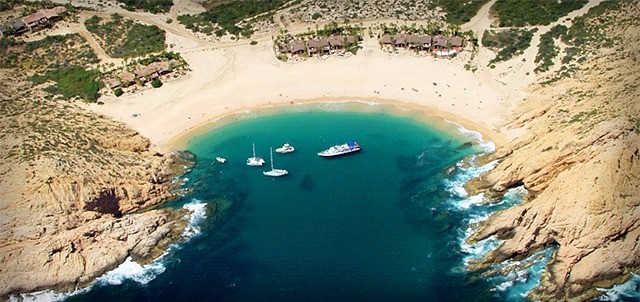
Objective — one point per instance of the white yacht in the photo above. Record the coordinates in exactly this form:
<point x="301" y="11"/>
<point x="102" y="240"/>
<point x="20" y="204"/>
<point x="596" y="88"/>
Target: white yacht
<point x="255" y="161"/>
<point x="285" y="149"/>
<point x="275" y="172"/>
<point x="336" y="150"/>
<point x="221" y="160"/>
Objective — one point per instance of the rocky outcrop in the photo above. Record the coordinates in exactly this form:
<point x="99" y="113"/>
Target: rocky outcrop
<point x="77" y="195"/>
<point x="580" y="162"/>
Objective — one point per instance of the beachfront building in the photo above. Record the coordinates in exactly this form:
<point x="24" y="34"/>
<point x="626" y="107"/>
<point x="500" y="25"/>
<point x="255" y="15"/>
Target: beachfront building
<point x="400" y="40"/>
<point x="318" y="46"/>
<point x="457" y="43"/>
<point x="419" y="42"/>
<point x="336" y="42"/>
<point x="439" y="46"/>
<point x="297" y="47"/>
<point x="143" y="74"/>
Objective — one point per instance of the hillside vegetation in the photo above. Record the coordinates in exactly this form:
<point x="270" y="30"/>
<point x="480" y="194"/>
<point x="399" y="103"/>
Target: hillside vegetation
<point x="579" y="161"/>
<point x="533" y="12"/>
<point x="62" y="63"/>
<point x="125" y="38"/>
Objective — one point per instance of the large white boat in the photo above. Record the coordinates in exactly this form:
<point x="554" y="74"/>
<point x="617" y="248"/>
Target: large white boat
<point x="275" y="172"/>
<point x="285" y="149"/>
<point x="336" y="150"/>
<point x="254" y="160"/>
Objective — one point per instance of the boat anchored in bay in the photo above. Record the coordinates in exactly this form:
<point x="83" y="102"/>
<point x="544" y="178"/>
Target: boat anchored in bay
<point x="255" y="161"/>
<point x="275" y="172"/>
<point x="285" y="149"/>
<point x="346" y="148"/>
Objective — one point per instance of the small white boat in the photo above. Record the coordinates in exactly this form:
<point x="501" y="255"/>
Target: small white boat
<point x="254" y="160"/>
<point x="336" y="150"/>
<point x="285" y="149"/>
<point x="275" y="172"/>
<point x="221" y="160"/>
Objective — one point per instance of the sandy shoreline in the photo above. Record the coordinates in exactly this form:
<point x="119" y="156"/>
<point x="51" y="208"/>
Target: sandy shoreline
<point x="225" y="81"/>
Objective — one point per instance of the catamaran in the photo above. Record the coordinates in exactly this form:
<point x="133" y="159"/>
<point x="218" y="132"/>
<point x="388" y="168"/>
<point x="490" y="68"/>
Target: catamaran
<point x="336" y="150"/>
<point x="285" y="149"/>
<point x="275" y="172"/>
<point x="254" y="160"/>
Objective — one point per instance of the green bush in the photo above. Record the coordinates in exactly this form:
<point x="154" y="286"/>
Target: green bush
<point x="72" y="81"/>
<point x="508" y="43"/>
<point x="460" y="11"/>
<point x="124" y="38"/>
<point x="118" y="92"/>
<point x="547" y="50"/>
<point x="253" y="42"/>
<point x="156" y="83"/>
<point x="533" y="12"/>
<point x="153" y="6"/>
<point x="228" y="14"/>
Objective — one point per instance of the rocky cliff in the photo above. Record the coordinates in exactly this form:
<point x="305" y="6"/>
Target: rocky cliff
<point x="77" y="193"/>
<point x="580" y="162"/>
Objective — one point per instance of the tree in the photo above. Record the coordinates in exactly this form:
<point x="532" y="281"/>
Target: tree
<point x="156" y="83"/>
<point x="118" y="92"/>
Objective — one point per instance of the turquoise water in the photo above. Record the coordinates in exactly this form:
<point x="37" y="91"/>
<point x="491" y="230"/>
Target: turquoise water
<point x="383" y="224"/>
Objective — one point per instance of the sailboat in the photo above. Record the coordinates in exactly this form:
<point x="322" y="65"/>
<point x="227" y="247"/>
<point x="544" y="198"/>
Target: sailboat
<point x="275" y="172"/>
<point x="255" y="161"/>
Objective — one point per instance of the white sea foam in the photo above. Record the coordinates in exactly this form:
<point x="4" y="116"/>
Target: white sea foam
<point x="198" y="214"/>
<point x="476" y="137"/>
<point x="131" y="270"/>
<point x="40" y="296"/>
<point x="468" y="202"/>
<point x="629" y="289"/>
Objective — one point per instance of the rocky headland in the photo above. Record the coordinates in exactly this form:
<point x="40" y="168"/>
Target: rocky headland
<point x="78" y="192"/>
<point x="580" y="162"/>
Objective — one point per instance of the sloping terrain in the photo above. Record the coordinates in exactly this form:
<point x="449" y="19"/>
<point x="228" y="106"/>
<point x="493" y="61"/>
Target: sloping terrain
<point x="580" y="161"/>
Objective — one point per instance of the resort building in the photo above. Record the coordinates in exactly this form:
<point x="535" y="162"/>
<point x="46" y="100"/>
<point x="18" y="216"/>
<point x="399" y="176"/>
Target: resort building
<point x="419" y="42"/>
<point x="400" y="40"/>
<point x="13" y="27"/>
<point x="39" y="19"/>
<point x="297" y="47"/>
<point x="318" y="46"/>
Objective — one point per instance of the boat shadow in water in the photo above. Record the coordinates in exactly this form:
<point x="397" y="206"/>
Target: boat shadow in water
<point x="307" y="184"/>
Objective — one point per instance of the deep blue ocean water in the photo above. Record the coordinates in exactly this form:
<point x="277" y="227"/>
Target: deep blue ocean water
<point x="384" y="224"/>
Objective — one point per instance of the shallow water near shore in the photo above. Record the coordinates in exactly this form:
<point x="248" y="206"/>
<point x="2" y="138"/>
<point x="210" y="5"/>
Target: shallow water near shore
<point x="382" y="224"/>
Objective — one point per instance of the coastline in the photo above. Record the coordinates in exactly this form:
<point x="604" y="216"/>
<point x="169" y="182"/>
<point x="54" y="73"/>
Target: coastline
<point x="431" y="116"/>
<point x="227" y="81"/>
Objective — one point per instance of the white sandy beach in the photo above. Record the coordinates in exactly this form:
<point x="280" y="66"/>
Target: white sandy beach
<point x="245" y="77"/>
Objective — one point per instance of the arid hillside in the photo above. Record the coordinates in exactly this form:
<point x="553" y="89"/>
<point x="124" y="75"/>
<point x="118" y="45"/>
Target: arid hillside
<point x="72" y="188"/>
<point x="580" y="161"/>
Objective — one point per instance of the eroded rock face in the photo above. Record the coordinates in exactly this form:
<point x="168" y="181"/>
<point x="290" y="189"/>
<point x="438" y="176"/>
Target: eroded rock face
<point x="581" y="165"/>
<point x="77" y="196"/>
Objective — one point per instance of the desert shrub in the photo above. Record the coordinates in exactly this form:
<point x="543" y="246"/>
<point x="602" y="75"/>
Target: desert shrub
<point x="547" y="49"/>
<point x="118" y="92"/>
<point x="156" y="83"/>
<point x="72" y="81"/>
<point x="153" y="6"/>
<point x="533" y="12"/>
<point x="460" y="11"/>
<point x="508" y="43"/>
<point x="227" y="15"/>
<point x="124" y="38"/>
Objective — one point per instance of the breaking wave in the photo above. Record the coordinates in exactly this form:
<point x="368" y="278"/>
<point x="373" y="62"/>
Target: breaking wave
<point x="129" y="269"/>
<point x="628" y="291"/>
